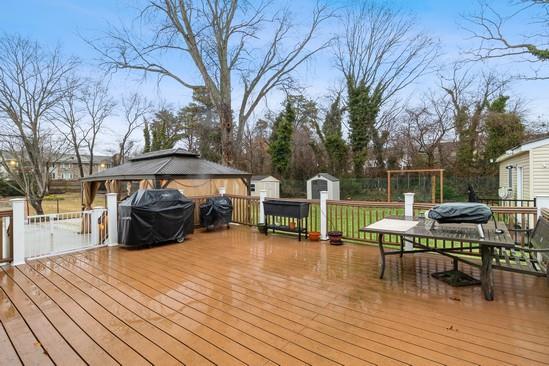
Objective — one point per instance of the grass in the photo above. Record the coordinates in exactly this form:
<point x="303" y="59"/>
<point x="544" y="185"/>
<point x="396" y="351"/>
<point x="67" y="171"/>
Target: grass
<point x="59" y="203"/>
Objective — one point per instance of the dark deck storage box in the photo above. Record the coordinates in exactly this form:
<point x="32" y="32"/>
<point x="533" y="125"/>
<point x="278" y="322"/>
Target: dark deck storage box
<point x="293" y="209"/>
<point x="155" y="216"/>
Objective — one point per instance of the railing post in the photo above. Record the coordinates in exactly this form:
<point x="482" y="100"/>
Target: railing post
<point x="18" y="230"/>
<point x="51" y="220"/>
<point x="324" y="215"/>
<point x="541" y="203"/>
<point x="409" y="204"/>
<point x="262" y="196"/>
<point x="221" y="191"/>
<point x="112" y="208"/>
<point x="7" y="251"/>
<point x="408" y="213"/>
<point x="94" y="222"/>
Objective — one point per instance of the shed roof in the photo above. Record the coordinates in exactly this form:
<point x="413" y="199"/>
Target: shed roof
<point x="325" y="176"/>
<point x="262" y="177"/>
<point x="523" y="148"/>
<point x="163" y="164"/>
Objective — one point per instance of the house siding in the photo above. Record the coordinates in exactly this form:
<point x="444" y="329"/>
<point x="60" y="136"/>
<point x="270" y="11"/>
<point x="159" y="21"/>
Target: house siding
<point x="521" y="160"/>
<point x="540" y="170"/>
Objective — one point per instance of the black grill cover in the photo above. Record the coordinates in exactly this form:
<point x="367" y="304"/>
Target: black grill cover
<point x="216" y="211"/>
<point x="472" y="213"/>
<point x="152" y="216"/>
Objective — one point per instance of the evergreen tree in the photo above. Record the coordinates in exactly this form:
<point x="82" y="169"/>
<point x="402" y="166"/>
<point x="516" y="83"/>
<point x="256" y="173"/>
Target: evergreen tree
<point x="280" y="146"/>
<point x="147" y="138"/>
<point x="333" y="138"/>
<point x="164" y="131"/>
<point x="363" y="104"/>
<point x="504" y="130"/>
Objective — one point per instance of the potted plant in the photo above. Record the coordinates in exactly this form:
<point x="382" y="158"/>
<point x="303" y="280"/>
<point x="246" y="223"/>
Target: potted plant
<point x="335" y="237"/>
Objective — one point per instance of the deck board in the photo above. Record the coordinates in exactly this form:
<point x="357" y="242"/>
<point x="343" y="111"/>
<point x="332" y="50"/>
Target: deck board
<point x="238" y="297"/>
<point x="88" y="350"/>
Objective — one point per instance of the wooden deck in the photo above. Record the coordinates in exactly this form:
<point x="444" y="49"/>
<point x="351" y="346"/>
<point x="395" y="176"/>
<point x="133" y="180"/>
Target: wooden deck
<point x="236" y="297"/>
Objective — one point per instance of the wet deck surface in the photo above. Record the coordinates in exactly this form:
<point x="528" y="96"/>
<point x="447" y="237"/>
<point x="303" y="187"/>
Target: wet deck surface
<point x="237" y="297"/>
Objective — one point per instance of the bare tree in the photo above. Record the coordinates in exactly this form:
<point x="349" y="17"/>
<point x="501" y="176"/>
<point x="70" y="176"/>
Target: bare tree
<point x="31" y="85"/>
<point x="490" y="26"/>
<point x="135" y="109"/>
<point x="99" y="105"/>
<point x="470" y="95"/>
<point x="69" y="120"/>
<point x="379" y="54"/>
<point x="221" y="39"/>
<point x="427" y="126"/>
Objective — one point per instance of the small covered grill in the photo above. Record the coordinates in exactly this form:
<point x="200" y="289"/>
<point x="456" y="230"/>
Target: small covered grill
<point x="216" y="212"/>
<point x="155" y="216"/>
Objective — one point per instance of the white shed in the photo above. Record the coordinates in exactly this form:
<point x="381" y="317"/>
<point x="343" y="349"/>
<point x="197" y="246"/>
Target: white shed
<point x="267" y="183"/>
<point x="524" y="170"/>
<point x="323" y="182"/>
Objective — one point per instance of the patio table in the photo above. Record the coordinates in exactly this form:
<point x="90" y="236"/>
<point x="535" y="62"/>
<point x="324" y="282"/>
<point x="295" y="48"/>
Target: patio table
<point x="416" y="231"/>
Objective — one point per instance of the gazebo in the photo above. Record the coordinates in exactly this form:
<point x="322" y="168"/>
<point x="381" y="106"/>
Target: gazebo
<point x="173" y="168"/>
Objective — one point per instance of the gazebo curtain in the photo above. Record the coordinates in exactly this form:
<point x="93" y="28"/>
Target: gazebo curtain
<point x="146" y="184"/>
<point x="89" y="191"/>
<point x="112" y="186"/>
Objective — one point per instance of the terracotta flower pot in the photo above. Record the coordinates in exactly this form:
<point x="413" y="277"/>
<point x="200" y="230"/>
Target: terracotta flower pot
<point x="292" y="225"/>
<point x="314" y="236"/>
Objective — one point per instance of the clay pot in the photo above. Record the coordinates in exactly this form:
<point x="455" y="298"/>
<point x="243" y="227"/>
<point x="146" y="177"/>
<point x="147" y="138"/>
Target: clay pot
<point x="292" y="225"/>
<point x="314" y="236"/>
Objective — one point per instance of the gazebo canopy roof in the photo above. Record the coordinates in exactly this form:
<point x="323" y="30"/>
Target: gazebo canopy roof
<point x="167" y="164"/>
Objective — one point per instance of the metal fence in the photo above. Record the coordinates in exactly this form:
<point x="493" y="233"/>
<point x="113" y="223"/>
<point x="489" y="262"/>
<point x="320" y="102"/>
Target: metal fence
<point x="64" y="232"/>
<point x="508" y="202"/>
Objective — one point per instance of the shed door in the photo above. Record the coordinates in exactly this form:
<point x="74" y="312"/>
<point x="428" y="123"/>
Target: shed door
<point x="318" y="185"/>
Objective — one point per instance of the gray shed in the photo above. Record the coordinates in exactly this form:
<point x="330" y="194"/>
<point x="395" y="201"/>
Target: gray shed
<point x="323" y="182"/>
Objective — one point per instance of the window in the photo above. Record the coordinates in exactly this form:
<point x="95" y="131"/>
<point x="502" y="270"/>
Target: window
<point x="252" y="187"/>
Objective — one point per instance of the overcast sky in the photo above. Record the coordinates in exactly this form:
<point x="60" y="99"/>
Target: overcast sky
<point x="65" y="22"/>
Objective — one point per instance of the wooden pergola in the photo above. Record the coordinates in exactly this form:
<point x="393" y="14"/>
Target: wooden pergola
<point x="434" y="173"/>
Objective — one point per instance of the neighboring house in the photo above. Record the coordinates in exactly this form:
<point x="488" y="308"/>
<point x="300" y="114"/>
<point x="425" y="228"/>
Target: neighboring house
<point x="267" y="183"/>
<point x="524" y="170"/>
<point x="66" y="168"/>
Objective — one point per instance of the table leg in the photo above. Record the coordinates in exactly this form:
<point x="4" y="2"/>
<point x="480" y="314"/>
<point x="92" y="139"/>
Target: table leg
<point x="382" y="254"/>
<point x="486" y="279"/>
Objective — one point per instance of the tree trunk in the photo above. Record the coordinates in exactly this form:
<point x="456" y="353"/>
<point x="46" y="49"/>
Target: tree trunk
<point x="36" y="203"/>
<point x="80" y="165"/>
<point x="226" y="124"/>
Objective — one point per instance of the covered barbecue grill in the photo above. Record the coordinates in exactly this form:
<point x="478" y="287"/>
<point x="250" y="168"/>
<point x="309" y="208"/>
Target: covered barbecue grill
<point x="155" y="216"/>
<point x="462" y="213"/>
<point x="216" y="212"/>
